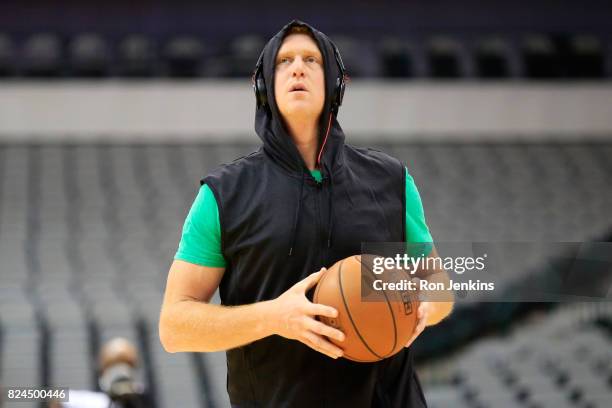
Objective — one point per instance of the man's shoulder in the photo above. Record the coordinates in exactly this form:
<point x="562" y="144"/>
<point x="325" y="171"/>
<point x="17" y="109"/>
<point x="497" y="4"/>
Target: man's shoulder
<point x="236" y="168"/>
<point x="372" y="158"/>
<point x="375" y="168"/>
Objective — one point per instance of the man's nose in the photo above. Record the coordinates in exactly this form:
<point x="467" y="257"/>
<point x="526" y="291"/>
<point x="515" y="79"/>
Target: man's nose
<point x="297" y="68"/>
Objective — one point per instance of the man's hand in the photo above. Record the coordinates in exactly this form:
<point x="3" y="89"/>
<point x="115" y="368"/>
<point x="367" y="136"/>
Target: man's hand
<point x="433" y="307"/>
<point x="295" y="318"/>
<point x="423" y="313"/>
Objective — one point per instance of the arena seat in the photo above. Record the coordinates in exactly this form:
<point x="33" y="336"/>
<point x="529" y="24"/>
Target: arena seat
<point x="499" y="55"/>
<point x="42" y="56"/>
<point x="445" y="57"/>
<point x="587" y="57"/>
<point x="541" y="57"/>
<point x="397" y="59"/>
<point x="137" y="57"/>
<point x="359" y="56"/>
<point x="492" y="58"/>
<point x="183" y="57"/>
<point x="90" y="56"/>
<point x="243" y="53"/>
<point x="7" y="56"/>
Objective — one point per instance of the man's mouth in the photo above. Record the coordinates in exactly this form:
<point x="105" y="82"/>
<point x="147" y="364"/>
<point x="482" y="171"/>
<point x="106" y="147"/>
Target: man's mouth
<point x="298" y="88"/>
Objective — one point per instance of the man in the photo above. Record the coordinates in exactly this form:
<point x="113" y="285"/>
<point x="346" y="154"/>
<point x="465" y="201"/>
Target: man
<point x="118" y="365"/>
<point x="261" y="225"/>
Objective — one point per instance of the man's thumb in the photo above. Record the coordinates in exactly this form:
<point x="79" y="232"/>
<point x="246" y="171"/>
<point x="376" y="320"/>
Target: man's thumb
<point x="312" y="279"/>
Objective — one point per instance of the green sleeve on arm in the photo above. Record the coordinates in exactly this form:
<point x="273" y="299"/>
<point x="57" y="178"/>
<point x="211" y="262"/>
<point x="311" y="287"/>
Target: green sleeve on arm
<point x="201" y="238"/>
<point x="416" y="227"/>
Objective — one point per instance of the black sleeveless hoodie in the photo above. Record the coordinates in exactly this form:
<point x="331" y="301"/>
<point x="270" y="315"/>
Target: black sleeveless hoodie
<point x="278" y="225"/>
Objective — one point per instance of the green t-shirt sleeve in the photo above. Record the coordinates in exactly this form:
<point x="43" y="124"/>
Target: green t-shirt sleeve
<point x="201" y="237"/>
<point x="417" y="231"/>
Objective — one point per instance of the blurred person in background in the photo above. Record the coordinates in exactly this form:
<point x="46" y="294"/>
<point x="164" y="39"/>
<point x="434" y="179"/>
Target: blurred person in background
<point x="118" y="364"/>
<point x="262" y="224"/>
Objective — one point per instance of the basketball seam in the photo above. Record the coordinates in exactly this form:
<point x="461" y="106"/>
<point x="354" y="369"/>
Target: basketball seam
<point x="348" y="312"/>
<point x="390" y="309"/>
<point x="316" y="300"/>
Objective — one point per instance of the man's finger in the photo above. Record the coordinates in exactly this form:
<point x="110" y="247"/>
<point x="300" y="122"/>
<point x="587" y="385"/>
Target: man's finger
<point x="410" y="341"/>
<point x="417" y="332"/>
<point x="324" y="330"/>
<point x="311" y="280"/>
<point x="420" y="327"/>
<point x="321" y="345"/>
<point x="413" y="338"/>
<point x="421" y="310"/>
<point x="421" y="324"/>
<point x="316" y="343"/>
<point x="317" y="349"/>
<point x="425" y="308"/>
<point x="317" y="309"/>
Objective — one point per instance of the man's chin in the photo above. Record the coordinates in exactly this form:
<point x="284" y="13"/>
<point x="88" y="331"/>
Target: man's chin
<point x="300" y="110"/>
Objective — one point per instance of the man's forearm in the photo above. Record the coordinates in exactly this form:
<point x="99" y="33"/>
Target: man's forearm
<point x="194" y="326"/>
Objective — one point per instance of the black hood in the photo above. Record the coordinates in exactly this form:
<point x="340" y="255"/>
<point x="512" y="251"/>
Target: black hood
<point x="269" y="125"/>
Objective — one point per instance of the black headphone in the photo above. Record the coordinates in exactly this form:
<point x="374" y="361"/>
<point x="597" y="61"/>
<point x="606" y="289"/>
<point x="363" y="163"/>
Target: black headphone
<point x="259" y="85"/>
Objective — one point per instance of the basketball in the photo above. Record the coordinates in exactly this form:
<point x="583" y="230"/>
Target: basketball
<point x="374" y="329"/>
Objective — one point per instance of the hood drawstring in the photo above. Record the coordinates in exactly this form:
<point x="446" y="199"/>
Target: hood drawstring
<point x="298" y="209"/>
<point x="330" y="221"/>
<point x="296" y="217"/>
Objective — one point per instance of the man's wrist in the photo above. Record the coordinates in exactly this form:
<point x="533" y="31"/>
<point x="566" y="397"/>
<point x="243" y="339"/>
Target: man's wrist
<point x="268" y="321"/>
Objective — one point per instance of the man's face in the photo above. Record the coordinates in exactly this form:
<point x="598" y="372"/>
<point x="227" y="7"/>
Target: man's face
<point x="299" y="78"/>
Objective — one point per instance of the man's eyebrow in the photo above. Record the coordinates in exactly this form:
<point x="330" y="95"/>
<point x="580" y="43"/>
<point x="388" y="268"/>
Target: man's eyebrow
<point x="301" y="51"/>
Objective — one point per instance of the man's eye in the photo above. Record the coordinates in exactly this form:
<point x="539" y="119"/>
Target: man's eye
<point x="284" y="60"/>
<point x="311" y="59"/>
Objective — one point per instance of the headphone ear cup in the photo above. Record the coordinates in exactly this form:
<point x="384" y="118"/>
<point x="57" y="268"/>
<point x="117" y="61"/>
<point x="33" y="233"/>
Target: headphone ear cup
<point x="338" y="95"/>
<point x="341" y="86"/>
<point x="260" y="92"/>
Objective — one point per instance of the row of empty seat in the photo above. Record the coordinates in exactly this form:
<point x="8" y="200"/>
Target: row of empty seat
<point x="560" y="360"/>
<point x="90" y="55"/>
<point x="88" y="232"/>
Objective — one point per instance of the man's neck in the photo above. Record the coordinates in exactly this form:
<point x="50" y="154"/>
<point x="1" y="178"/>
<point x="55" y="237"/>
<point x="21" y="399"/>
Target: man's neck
<point x="305" y="137"/>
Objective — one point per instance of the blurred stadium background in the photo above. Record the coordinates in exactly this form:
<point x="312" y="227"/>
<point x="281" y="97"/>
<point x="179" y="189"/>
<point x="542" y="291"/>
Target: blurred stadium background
<point x="111" y="112"/>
